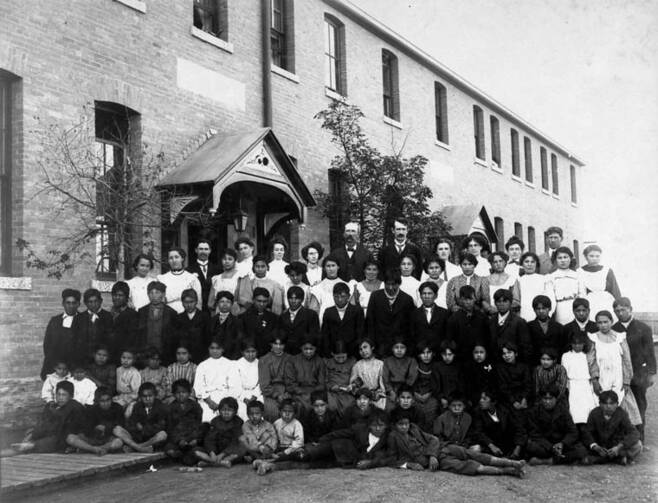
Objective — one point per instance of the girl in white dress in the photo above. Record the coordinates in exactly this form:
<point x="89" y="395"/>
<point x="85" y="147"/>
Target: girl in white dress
<point x="312" y="253"/>
<point x="532" y="284"/>
<point x="476" y="244"/>
<point x="368" y="372"/>
<point x="245" y="248"/>
<point x="567" y="285"/>
<point x="227" y="280"/>
<point x="138" y="284"/>
<point x="370" y="284"/>
<point x="277" y="264"/>
<point x="322" y="294"/>
<point x="213" y="380"/>
<point x="500" y="279"/>
<point x="444" y="252"/>
<point x="245" y="378"/>
<point x="409" y="284"/>
<point x="576" y="362"/>
<point x="178" y="279"/>
<point x="600" y="282"/>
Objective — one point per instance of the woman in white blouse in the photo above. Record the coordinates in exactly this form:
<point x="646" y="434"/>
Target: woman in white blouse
<point x="138" y="284"/>
<point x="178" y="279"/>
<point x="312" y="253"/>
<point x="277" y="264"/>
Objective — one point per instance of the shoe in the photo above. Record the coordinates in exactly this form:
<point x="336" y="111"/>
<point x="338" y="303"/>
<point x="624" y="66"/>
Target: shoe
<point x="256" y="464"/>
<point x="264" y="467"/>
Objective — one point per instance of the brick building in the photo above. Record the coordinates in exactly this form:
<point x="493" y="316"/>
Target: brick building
<point x="228" y="91"/>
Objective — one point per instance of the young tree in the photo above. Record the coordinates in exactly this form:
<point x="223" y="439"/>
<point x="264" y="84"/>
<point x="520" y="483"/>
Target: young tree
<point x="376" y="188"/>
<point x="102" y="180"/>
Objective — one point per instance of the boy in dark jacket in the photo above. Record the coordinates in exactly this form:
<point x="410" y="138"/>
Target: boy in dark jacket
<point x="145" y="428"/>
<point x="183" y="424"/>
<point x="221" y="445"/>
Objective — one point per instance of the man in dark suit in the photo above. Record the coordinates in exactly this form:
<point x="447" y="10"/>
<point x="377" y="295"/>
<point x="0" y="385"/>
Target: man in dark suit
<point x="204" y="270"/>
<point x="643" y="358"/>
<point x="352" y="257"/>
<point x="297" y="322"/>
<point x="342" y="321"/>
<point x="156" y="326"/>
<point x="582" y="322"/>
<point x="389" y="313"/>
<point x="428" y="322"/>
<point x="509" y="327"/>
<point x="59" y="334"/>
<point x="545" y="332"/>
<point x="90" y="328"/>
<point x="257" y="323"/>
<point x="124" y="321"/>
<point x="468" y="326"/>
<point x="390" y="256"/>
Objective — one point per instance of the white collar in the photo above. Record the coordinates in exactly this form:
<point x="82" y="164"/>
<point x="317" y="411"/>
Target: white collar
<point x="502" y="318"/>
<point x="201" y="262"/>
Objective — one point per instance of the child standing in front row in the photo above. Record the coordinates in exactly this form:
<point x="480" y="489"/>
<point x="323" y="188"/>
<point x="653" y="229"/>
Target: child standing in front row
<point x="246" y="386"/>
<point x="213" y="380"/>
<point x="582" y="370"/>
<point x="183" y="424"/>
<point x="128" y="380"/>
<point x="368" y="372"/>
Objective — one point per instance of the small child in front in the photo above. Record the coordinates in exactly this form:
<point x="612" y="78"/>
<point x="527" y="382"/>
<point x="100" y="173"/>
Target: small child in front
<point x="102" y="372"/>
<point x="84" y="388"/>
<point x="146" y="427"/>
<point x="221" y="445"/>
<point x="48" y="390"/>
<point x="406" y="401"/>
<point x="103" y="417"/>
<point x="411" y="447"/>
<point x="259" y="440"/>
<point x="290" y="436"/>
<point x="155" y="373"/>
<point x="183" y="424"/>
<point x="128" y="380"/>
<point x="361" y="410"/>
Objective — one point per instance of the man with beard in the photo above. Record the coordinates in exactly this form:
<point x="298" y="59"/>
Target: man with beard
<point x="352" y="257"/>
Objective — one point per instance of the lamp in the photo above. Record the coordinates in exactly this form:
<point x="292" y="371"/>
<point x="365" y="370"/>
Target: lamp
<point x="240" y="220"/>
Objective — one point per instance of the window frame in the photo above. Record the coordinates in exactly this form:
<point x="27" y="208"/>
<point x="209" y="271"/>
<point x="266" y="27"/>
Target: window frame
<point x="214" y="23"/>
<point x="518" y="230"/>
<point x="441" y="113"/>
<point x="574" y="187"/>
<point x="282" y="35"/>
<point x="494" y="125"/>
<point x="543" y="158"/>
<point x="6" y="172"/>
<point x="516" y="153"/>
<point x="527" y="156"/>
<point x="499" y="227"/>
<point x="478" y="133"/>
<point x="390" y="85"/>
<point x="555" y="175"/>
<point x="337" y="59"/>
<point x="532" y="239"/>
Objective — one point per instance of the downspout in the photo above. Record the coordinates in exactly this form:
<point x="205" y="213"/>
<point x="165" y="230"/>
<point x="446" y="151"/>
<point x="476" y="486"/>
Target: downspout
<point x="267" y="63"/>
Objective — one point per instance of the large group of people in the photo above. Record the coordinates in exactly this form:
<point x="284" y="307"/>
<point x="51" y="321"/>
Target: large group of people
<point x="404" y="358"/>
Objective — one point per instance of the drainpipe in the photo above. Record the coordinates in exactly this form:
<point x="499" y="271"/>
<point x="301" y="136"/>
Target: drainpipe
<point x="267" y="63"/>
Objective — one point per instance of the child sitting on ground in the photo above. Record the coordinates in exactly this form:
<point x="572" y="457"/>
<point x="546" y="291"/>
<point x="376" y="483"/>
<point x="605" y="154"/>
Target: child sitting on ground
<point x="368" y="372"/>
<point x="128" y="380"/>
<point x="246" y="387"/>
<point x="182" y="368"/>
<point x="258" y="440"/>
<point x="398" y="369"/>
<point x="338" y="369"/>
<point x="155" y="373"/>
<point x="101" y="372"/>
<point x="213" y="380"/>
<point x="103" y="417"/>
<point x="320" y="421"/>
<point x="290" y="436"/>
<point x="361" y="410"/>
<point x="146" y="427"/>
<point x="183" y="424"/>
<point x="609" y="433"/>
<point x="84" y="388"/>
<point x="453" y="426"/>
<point x="514" y="382"/>
<point x="221" y="445"/>
<point x="409" y="446"/>
<point x="48" y="390"/>
<point x="304" y="374"/>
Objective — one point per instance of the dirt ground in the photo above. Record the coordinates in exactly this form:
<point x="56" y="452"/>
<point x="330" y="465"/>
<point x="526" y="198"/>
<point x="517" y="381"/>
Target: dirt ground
<point x="606" y="483"/>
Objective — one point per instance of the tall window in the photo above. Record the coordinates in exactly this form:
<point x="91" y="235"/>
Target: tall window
<point x="518" y="230"/>
<point x="576" y="251"/>
<point x="441" y="112"/>
<point x="574" y="194"/>
<point x="554" y="175"/>
<point x="516" y="163"/>
<point x="495" y="139"/>
<point x="334" y="55"/>
<point x="478" y="132"/>
<point x="7" y="100"/>
<point x="527" y="153"/>
<point x="337" y="193"/>
<point x="499" y="227"/>
<point x="391" y="89"/>
<point x="531" y="239"/>
<point x="544" y="168"/>
<point x="282" y="34"/>
<point x="211" y="16"/>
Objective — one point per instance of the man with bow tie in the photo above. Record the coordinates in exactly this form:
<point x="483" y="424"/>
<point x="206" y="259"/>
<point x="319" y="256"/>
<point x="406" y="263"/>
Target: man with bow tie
<point x="352" y="256"/>
<point x="203" y="269"/>
<point x="391" y="255"/>
<point x="59" y="336"/>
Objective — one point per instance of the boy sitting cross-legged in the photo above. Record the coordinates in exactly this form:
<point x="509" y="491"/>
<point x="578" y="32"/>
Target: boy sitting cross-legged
<point x="103" y="417"/>
<point x="145" y="428"/>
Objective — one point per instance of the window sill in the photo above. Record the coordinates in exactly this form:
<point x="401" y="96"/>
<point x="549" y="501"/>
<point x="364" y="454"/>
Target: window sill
<point x="556" y="196"/>
<point x="285" y="74"/>
<point x="517" y="179"/>
<point x="103" y="286"/>
<point x="15" y="283"/>
<point x="575" y="205"/>
<point x="211" y="39"/>
<point x="481" y="162"/>
<point x="530" y="184"/>
<point x="334" y="95"/>
<point x="138" y="5"/>
<point x="392" y="122"/>
<point x="444" y="146"/>
<point x="496" y="167"/>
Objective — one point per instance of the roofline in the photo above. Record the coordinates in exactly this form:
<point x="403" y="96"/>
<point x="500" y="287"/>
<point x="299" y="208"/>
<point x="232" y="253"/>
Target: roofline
<point x="416" y="53"/>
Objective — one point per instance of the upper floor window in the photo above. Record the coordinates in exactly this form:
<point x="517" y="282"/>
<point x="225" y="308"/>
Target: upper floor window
<point x="518" y="230"/>
<point x="516" y="163"/>
<point x="8" y="83"/>
<point x="478" y="132"/>
<point x="574" y="195"/>
<point x="554" y="175"/>
<point x="532" y="239"/>
<point x="495" y="139"/>
<point x="334" y="55"/>
<point x="527" y="152"/>
<point x="544" y="168"/>
<point x="211" y="16"/>
<point x="391" y="89"/>
<point x="282" y="34"/>
<point x="441" y="112"/>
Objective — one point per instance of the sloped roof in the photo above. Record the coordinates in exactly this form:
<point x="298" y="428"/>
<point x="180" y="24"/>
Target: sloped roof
<point x="462" y="217"/>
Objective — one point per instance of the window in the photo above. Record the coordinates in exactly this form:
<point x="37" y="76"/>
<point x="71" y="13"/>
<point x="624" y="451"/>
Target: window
<point x="554" y="175"/>
<point x="282" y="35"/>
<point x="441" y="112"/>
<point x="211" y="16"/>
<point x="334" y="55"/>
<point x="527" y="153"/>
<point x="337" y="196"/>
<point x="8" y="84"/>
<point x="391" y="89"/>
<point x="531" y="239"/>
<point x="516" y="165"/>
<point x="518" y="230"/>
<point x="576" y="251"/>
<point x="117" y="133"/>
<point x="478" y="132"/>
<point x="499" y="227"/>
<point x="544" y="168"/>
<point x="495" y="139"/>
<point x="574" y="195"/>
